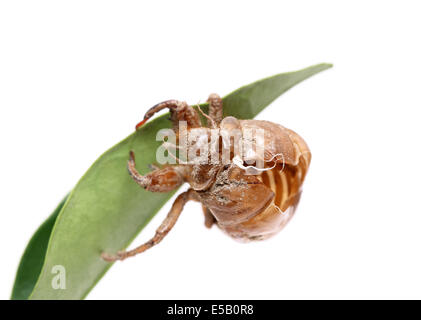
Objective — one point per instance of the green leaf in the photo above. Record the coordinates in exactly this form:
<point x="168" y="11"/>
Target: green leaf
<point x="106" y="210"/>
<point x="248" y="101"/>
<point x="33" y="258"/>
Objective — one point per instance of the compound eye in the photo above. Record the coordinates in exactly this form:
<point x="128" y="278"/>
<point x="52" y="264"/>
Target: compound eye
<point x="230" y="123"/>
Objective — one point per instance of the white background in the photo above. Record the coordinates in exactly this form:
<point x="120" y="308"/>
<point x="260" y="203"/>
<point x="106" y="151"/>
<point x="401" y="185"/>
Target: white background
<point x="76" y="76"/>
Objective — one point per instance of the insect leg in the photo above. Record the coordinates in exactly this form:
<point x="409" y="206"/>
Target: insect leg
<point x="170" y="104"/>
<point x="209" y="218"/>
<point x="159" y="180"/>
<point x="215" y="107"/>
<point x="161" y="232"/>
<point x="180" y="111"/>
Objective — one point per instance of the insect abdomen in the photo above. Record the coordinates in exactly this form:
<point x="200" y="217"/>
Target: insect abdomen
<point x="285" y="181"/>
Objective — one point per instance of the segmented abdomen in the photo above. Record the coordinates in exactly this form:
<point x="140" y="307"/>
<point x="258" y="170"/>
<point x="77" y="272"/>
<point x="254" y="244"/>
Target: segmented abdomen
<point x="285" y="180"/>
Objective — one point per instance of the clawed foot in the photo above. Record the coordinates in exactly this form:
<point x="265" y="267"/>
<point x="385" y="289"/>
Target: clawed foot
<point x="121" y="255"/>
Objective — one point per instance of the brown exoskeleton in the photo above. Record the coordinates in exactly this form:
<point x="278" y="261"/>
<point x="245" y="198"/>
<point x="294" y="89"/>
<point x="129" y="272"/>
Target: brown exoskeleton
<point x="246" y="206"/>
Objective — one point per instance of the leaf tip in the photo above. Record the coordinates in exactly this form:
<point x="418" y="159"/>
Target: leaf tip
<point x="327" y="65"/>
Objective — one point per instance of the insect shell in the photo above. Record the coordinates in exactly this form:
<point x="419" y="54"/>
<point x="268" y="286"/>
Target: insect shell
<point x="245" y="206"/>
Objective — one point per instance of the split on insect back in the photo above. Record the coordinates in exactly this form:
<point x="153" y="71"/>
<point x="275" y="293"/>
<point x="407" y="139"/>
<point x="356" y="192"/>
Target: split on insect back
<point x="247" y="174"/>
